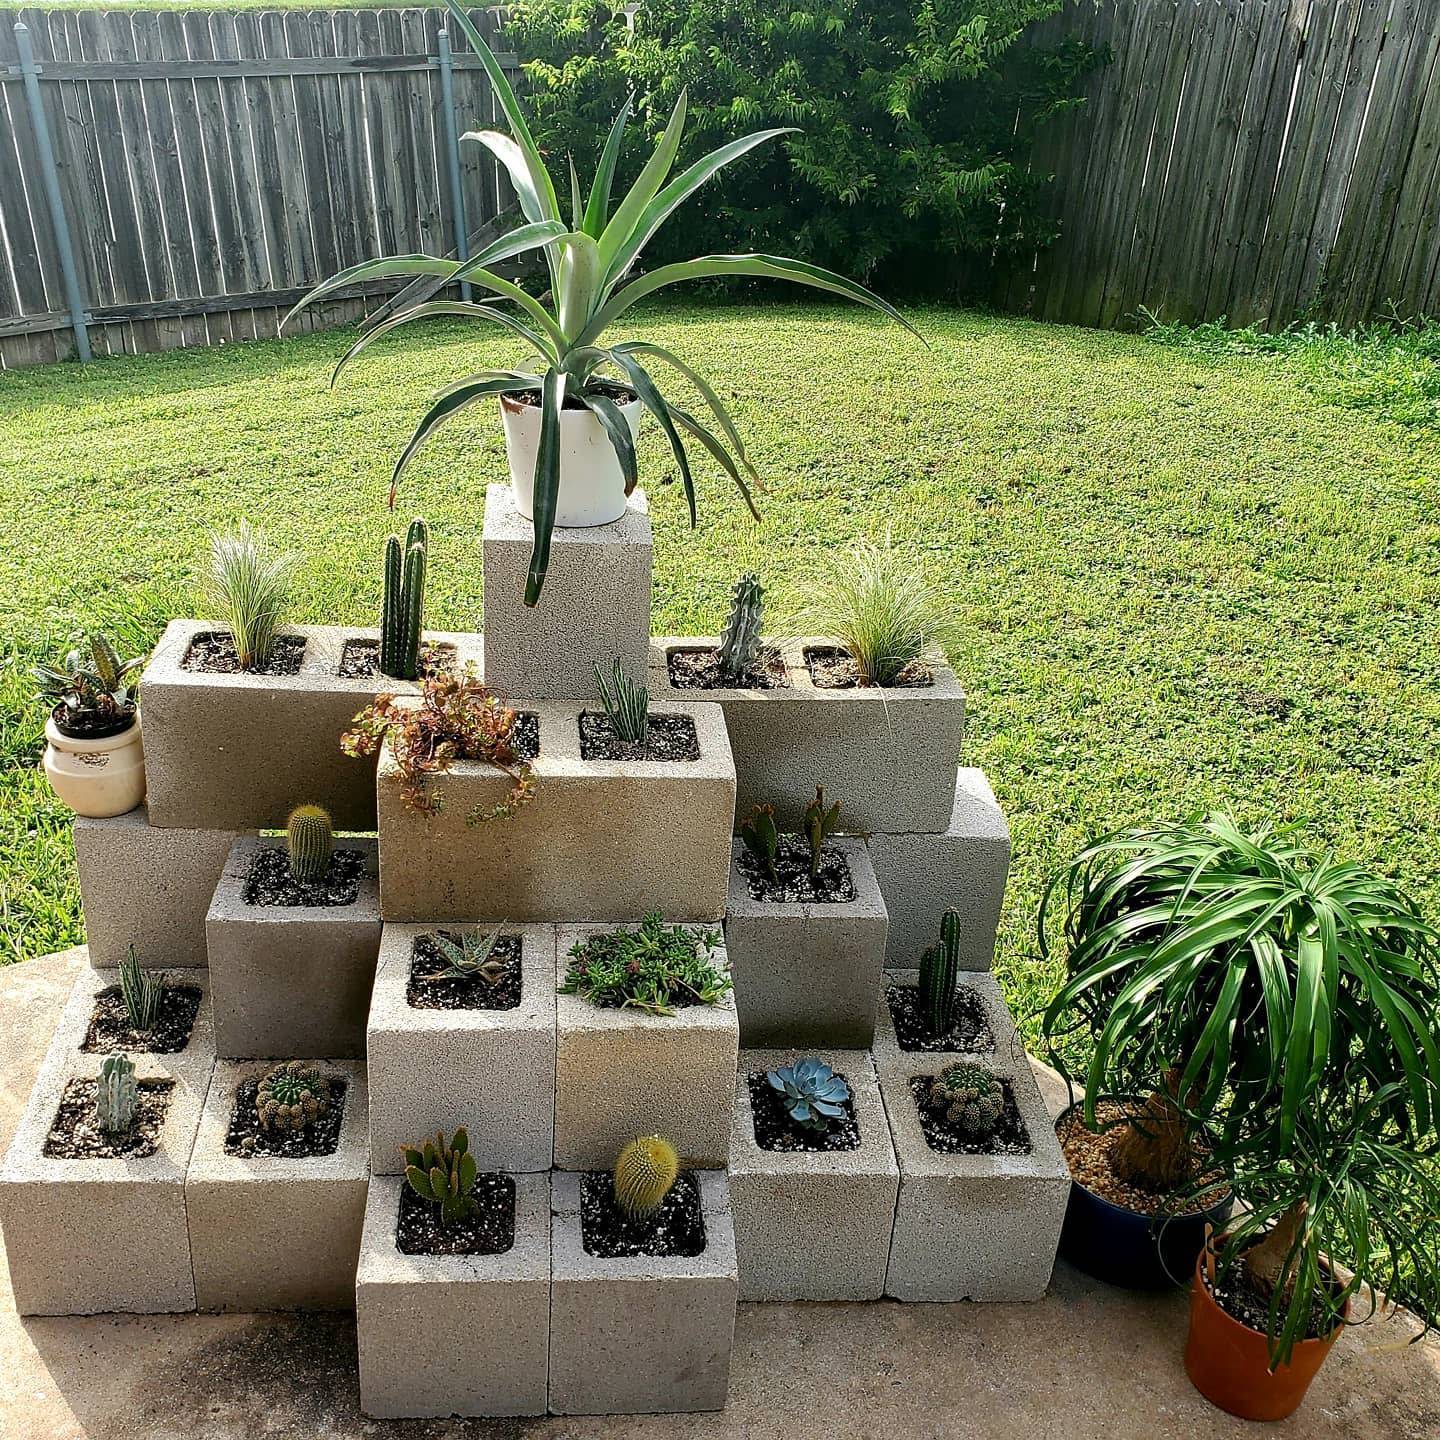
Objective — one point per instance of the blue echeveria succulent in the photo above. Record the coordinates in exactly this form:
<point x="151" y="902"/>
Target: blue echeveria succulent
<point x="813" y="1094"/>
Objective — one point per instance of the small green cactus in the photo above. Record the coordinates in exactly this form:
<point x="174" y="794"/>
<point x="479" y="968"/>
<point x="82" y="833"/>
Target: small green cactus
<point x="291" y="1097"/>
<point x="141" y="992"/>
<point x="645" y="1173"/>
<point x="309" y="841"/>
<point x="740" y="639"/>
<point x="443" y="1174"/>
<point x="968" y="1097"/>
<point x="116" y="1095"/>
<point x="818" y="823"/>
<point x="761" y="838"/>
<point x="939" y="968"/>
<point x="403" y="607"/>
<point x="627" y="705"/>
<point x="473" y="958"/>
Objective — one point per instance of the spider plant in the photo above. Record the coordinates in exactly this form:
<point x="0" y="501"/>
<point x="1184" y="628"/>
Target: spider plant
<point x="589" y="257"/>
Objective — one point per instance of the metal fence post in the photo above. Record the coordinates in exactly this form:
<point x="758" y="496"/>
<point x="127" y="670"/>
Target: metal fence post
<point x="74" y="298"/>
<point x="452" y="150"/>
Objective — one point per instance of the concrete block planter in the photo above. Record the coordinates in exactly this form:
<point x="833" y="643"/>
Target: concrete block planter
<point x="813" y="1225"/>
<point x="965" y="866"/>
<point x="94" y="1236"/>
<point x="995" y="1036"/>
<point x="146" y="886"/>
<point x="268" y="1232"/>
<point x="444" y="1335"/>
<point x="603" y="839"/>
<point x="644" y="1335"/>
<point x="596" y="605"/>
<point x="807" y="974"/>
<point x="974" y="1227"/>
<point x="888" y="756"/>
<point x="492" y="1071"/>
<point x="292" y="980"/>
<point x="238" y="752"/>
<point x="622" y="1073"/>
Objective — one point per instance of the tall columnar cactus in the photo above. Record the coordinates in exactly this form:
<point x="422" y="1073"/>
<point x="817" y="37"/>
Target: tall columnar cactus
<point x="740" y="639"/>
<point x="116" y="1095"/>
<point x="818" y="823"/>
<point x="403" y="607"/>
<point x="141" y="992"/>
<point x="939" y="970"/>
<point x="309" y="840"/>
<point x="645" y="1173"/>
<point x="443" y="1174"/>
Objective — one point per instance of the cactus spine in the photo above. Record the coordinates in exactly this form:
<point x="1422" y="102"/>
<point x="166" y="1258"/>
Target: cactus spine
<point x="309" y="840"/>
<point x="644" y="1175"/>
<point x="939" y="970"/>
<point x="403" y="607"/>
<point x="740" y="639"/>
<point x="141" y="993"/>
<point x="116" y="1095"/>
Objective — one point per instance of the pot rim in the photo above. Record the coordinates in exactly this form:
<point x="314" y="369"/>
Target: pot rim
<point x="1207" y="1298"/>
<point x="92" y="744"/>
<point x="516" y="407"/>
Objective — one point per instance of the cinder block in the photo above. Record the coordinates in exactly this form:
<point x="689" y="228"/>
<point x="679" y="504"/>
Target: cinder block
<point x="922" y="876"/>
<point x="620" y="1073"/>
<point x="492" y="1071"/>
<point x="444" y="1335"/>
<point x="973" y="1227"/>
<point x="607" y="839"/>
<point x="1005" y="1042"/>
<point x="272" y="1233"/>
<point x="292" y="980"/>
<point x="643" y="1335"/>
<point x="88" y="1237"/>
<point x="594" y="609"/>
<point x="146" y="886"/>
<point x="239" y="752"/>
<point x="888" y="756"/>
<point x="807" y="974"/>
<point x="813" y="1225"/>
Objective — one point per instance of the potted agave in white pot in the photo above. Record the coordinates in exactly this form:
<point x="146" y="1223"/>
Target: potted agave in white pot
<point x="570" y="423"/>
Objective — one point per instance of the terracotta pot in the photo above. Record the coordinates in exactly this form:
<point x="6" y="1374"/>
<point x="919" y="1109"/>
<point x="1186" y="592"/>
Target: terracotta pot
<point x="98" y="778"/>
<point x="1229" y="1363"/>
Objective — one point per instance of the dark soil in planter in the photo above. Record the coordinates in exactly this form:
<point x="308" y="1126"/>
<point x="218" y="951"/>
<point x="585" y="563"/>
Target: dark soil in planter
<point x="271" y="883"/>
<point x="971" y="1032"/>
<point x="111" y="1030"/>
<point x="832" y="885"/>
<point x="525" y="737"/>
<point x="667" y="737"/>
<point x="833" y="669"/>
<point x="360" y="659"/>
<point x="677" y="1228"/>
<point x="700" y="670"/>
<point x="618" y="393"/>
<point x="1238" y="1294"/>
<point x="489" y="1231"/>
<point x="76" y="1133"/>
<point x="1088" y="1155"/>
<point x="470" y="994"/>
<point x="1009" y="1138"/>
<point x="321" y="1137"/>
<point x="775" y="1130"/>
<point x="213" y="653"/>
<point x="92" y="724"/>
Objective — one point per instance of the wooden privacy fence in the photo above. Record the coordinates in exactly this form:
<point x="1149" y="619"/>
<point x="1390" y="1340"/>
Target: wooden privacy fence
<point x="212" y="165"/>
<point x="1257" y="159"/>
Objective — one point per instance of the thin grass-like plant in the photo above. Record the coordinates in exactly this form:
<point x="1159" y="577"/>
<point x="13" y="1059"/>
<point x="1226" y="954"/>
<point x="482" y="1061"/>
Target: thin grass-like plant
<point x="249" y="583"/>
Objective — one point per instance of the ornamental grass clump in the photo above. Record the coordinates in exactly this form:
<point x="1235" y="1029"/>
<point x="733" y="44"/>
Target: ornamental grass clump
<point x="654" y="967"/>
<point x="248" y="587"/>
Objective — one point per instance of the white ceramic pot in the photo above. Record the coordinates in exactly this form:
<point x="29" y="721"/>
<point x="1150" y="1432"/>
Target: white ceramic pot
<point x="96" y="777"/>
<point x="592" y="485"/>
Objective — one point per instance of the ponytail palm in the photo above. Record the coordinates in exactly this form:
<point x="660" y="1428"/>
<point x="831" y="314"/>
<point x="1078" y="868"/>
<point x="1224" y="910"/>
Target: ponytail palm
<point x="589" y="257"/>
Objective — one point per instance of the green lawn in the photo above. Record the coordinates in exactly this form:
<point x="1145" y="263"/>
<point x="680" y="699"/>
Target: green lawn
<point x="1190" y="577"/>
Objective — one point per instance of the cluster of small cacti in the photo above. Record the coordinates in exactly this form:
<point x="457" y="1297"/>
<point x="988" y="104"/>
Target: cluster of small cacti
<point x="817" y="823"/>
<point x="472" y="959"/>
<point x="968" y="1097"/>
<point x="116" y="1095"/>
<point x="309" y="840"/>
<point x="814" y="1096"/>
<point x="291" y="1097"/>
<point x="761" y="837"/>
<point x="939" y="970"/>
<point x="645" y="1173"/>
<point x="443" y="1174"/>
<point x="626" y="704"/>
<point x="403" y="606"/>
<point x="740" y="638"/>
<point x="141" y="991"/>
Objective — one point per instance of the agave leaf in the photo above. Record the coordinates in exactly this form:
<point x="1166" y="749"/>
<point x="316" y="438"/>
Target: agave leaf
<point x="618" y="429"/>
<point x="597" y="210"/>
<point x="389" y="268"/>
<point x="622" y="224"/>
<point x="690" y="423"/>
<point x="656" y="404"/>
<point x="535" y="204"/>
<point x="546" y="485"/>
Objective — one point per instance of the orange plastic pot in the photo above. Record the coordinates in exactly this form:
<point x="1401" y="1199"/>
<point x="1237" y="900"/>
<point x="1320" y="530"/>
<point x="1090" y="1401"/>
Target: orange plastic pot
<point x="1229" y="1363"/>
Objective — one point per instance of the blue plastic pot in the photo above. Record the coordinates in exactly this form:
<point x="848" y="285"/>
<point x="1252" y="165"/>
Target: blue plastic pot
<point x="1125" y="1248"/>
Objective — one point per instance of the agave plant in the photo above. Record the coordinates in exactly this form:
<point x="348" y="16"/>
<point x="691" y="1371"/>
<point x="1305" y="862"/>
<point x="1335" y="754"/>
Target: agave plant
<point x="589" y="258"/>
